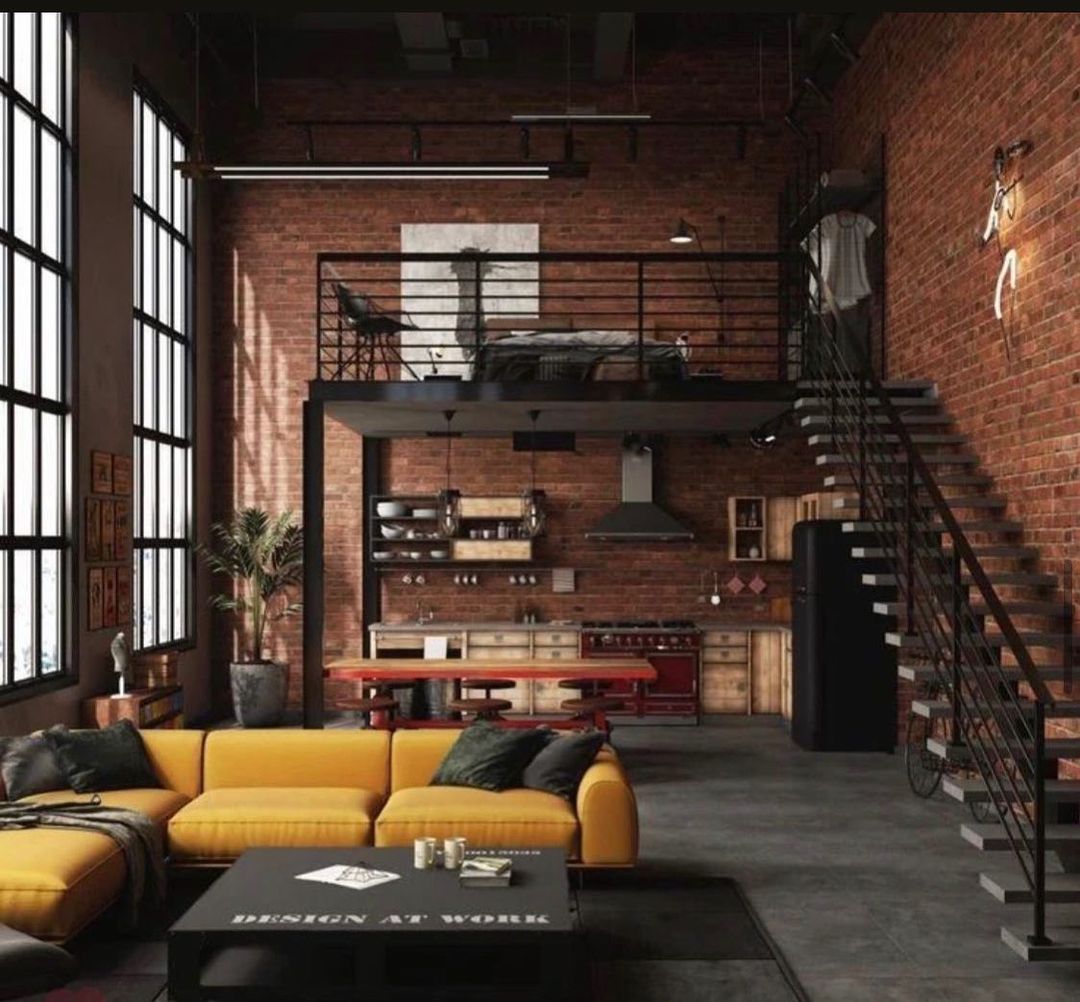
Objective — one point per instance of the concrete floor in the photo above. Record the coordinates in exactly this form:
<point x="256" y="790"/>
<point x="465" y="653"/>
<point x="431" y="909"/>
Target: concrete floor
<point x="870" y="893"/>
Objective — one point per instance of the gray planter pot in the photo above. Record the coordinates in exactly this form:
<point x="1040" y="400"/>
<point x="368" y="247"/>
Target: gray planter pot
<point x="259" y="692"/>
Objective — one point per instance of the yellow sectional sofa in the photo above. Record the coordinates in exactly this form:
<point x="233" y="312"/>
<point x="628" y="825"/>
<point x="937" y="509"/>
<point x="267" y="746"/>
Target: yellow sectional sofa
<point x="53" y="882"/>
<point x="227" y="791"/>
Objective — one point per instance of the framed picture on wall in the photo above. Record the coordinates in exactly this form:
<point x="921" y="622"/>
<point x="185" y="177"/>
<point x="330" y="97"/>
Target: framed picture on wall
<point x="101" y="472"/>
<point x="108" y="530"/>
<point x="121" y="475"/>
<point x="95" y="598"/>
<point x="109" y="601"/>
<point x="121" y="531"/>
<point x="93" y="529"/>
<point x="123" y="596"/>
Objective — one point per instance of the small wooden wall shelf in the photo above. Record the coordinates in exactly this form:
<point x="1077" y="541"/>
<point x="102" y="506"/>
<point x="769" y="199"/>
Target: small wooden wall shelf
<point x="746" y="529"/>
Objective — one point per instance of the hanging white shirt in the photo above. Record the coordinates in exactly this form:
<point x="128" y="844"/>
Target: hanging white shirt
<point x="843" y="237"/>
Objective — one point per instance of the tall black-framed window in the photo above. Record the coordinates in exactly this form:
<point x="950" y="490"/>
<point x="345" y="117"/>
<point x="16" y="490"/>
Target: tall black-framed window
<point x="163" y="325"/>
<point x="36" y="249"/>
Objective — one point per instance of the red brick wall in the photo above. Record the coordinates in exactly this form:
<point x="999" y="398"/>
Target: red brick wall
<point x="946" y="89"/>
<point x="267" y="236"/>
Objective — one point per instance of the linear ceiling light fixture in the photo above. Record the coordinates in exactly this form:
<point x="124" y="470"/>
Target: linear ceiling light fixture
<point x="384" y="171"/>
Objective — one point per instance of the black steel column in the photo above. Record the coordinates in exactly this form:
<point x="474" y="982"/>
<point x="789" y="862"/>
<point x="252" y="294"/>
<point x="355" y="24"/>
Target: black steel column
<point x="371" y="597"/>
<point x="1038" y="935"/>
<point x="314" y="584"/>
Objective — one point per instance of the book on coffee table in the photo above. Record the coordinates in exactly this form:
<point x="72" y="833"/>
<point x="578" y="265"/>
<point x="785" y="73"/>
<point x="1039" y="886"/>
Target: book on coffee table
<point x="485" y="871"/>
<point x="356" y="878"/>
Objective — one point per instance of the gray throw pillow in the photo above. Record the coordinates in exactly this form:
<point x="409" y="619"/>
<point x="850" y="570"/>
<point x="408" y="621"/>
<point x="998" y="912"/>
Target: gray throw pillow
<point x="29" y="766"/>
<point x="489" y="757"/>
<point x="559" y="766"/>
<point x="110" y="759"/>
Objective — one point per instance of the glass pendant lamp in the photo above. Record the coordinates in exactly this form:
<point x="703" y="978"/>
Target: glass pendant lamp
<point x="449" y="518"/>
<point x="532" y="509"/>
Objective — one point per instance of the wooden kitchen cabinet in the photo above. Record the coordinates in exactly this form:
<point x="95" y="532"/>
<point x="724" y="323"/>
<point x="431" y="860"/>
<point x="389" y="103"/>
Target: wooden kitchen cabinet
<point x="743" y="671"/>
<point x="785" y="678"/>
<point x="766" y="656"/>
<point x="780" y="517"/>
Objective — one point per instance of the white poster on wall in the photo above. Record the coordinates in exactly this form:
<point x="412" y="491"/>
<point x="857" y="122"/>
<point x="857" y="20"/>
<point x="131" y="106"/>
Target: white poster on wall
<point x="449" y="300"/>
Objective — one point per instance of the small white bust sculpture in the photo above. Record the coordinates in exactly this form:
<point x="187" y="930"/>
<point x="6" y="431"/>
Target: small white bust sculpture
<point x="121" y="655"/>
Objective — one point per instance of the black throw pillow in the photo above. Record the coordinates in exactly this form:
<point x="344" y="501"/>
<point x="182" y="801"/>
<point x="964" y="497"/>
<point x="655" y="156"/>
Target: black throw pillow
<point x="29" y="766"/>
<point x="110" y="759"/>
<point x="559" y="766"/>
<point x="489" y="757"/>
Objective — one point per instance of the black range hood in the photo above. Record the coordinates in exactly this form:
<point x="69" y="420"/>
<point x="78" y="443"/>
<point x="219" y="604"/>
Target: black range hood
<point x="638" y="518"/>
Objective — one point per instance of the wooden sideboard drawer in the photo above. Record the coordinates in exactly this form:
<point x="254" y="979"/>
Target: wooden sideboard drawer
<point x="724" y="688"/>
<point x="722" y="655"/>
<point x="724" y="638"/>
<point x="397" y="641"/>
<point x="503" y="638"/>
<point x="555" y="638"/>
<point x="555" y="653"/>
<point x="548" y="697"/>
<point x="497" y="654"/>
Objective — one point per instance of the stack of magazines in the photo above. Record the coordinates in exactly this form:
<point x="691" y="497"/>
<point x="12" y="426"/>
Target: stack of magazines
<point x="485" y="871"/>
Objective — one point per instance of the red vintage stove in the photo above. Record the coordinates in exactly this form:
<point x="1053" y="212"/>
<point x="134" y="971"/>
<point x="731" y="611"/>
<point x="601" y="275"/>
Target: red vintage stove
<point x="673" y="647"/>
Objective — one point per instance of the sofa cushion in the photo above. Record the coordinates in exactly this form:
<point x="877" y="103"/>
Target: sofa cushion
<point x="489" y="757"/>
<point x="112" y="758"/>
<point x="558" y="766"/>
<point x="296" y="758"/>
<point x="28" y="765"/>
<point x="160" y="805"/>
<point x="510" y="818"/>
<point x="416" y="754"/>
<point x="222" y="823"/>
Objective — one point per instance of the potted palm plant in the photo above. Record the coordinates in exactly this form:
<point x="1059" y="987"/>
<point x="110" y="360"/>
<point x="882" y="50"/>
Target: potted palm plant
<point x="264" y="557"/>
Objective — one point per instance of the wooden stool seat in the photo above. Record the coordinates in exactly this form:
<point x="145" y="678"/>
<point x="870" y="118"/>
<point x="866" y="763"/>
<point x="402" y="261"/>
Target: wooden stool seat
<point x="368" y="704"/>
<point x="490" y="684"/>
<point x="592" y="704"/>
<point x="584" y="684"/>
<point x="485" y="709"/>
<point x="380" y="684"/>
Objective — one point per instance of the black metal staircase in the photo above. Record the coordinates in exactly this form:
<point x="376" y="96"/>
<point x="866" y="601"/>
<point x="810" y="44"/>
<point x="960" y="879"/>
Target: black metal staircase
<point x="966" y="610"/>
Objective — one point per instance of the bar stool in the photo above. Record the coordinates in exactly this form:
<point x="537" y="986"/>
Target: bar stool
<point x="593" y="709"/>
<point x="365" y="706"/>
<point x="482" y="709"/>
<point x="586" y="686"/>
<point x="488" y="685"/>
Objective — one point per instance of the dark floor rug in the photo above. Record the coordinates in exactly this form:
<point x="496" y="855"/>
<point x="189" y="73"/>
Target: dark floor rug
<point x="650" y="936"/>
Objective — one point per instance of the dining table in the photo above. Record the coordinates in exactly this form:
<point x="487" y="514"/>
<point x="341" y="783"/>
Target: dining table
<point x="635" y="671"/>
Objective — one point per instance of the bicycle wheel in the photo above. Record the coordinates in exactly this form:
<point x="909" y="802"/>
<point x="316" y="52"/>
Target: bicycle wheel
<point x="923" y="768"/>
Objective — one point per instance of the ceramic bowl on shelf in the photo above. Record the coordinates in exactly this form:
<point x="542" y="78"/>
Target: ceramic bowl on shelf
<point x="439" y="554"/>
<point x="415" y="554"/>
<point x="391" y="531"/>
<point x="425" y="513"/>
<point x="391" y="509"/>
<point x="383" y="555"/>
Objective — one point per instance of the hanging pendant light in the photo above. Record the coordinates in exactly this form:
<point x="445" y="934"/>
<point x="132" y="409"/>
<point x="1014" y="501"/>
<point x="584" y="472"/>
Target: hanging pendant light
<point x="449" y="518"/>
<point x="532" y="509"/>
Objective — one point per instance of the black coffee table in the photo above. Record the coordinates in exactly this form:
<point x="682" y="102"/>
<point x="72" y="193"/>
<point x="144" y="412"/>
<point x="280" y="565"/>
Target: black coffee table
<point x="258" y="933"/>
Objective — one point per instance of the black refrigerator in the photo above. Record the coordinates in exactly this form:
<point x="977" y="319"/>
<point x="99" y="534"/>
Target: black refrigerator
<point x="843" y="673"/>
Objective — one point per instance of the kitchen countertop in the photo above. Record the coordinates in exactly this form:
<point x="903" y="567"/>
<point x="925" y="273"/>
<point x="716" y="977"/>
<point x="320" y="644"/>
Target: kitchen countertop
<point x="452" y="626"/>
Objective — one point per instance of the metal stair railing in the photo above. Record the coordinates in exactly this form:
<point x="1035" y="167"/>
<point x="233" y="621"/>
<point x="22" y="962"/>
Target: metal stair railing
<point x="1006" y="743"/>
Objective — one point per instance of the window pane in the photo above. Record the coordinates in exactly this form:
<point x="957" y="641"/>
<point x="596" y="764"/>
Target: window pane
<point x="147" y="385"/>
<point x="4" y="554"/>
<point x="24" y="324"/>
<point x="3" y="152"/>
<point x="5" y="375"/>
<point x="149" y="291"/>
<point x="164" y="493"/>
<point x="22" y="593"/>
<point x="3" y="55"/>
<point x="136" y="625"/>
<point x="179" y="390"/>
<point x="149" y="139"/>
<point x="180" y="558"/>
<point x="50" y="196"/>
<point x="179" y="288"/>
<point x="164" y="247"/>
<point x="164" y="383"/>
<point x="149" y="488"/>
<point x="179" y="184"/>
<point x="165" y="172"/>
<point x="136" y="165"/>
<point x="164" y="576"/>
<point x="51" y="619"/>
<point x="24" y="176"/>
<point x="147" y="575"/>
<point x="181" y="506"/>
<point x="50" y="65"/>
<point x="4" y="500"/>
<point x="50" y="335"/>
<point x="51" y="453"/>
<point x="24" y="55"/>
<point x="24" y="466"/>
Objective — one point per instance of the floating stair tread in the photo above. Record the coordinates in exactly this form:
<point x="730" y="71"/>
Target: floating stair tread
<point x="990" y="525"/>
<point x="1029" y="578"/>
<point x="907" y="385"/>
<point x="1001" y="552"/>
<point x="935" y="708"/>
<point x="943" y="480"/>
<point x="1013" y="889"/>
<point x="1064" y="945"/>
<point x="925" y="673"/>
<point x="992" y="837"/>
<point x="816" y="403"/>
<point x="918" y="437"/>
<point x="1056" y="748"/>
<point x="1029" y="638"/>
<point x="938" y="458"/>
<point x="824" y="421"/>
<point x="974" y="791"/>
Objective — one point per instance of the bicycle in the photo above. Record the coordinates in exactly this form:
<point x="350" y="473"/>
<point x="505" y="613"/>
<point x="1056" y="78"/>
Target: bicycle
<point x="925" y="768"/>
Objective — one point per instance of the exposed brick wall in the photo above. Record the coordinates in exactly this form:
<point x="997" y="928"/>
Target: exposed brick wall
<point x="267" y="237"/>
<point x="946" y="89"/>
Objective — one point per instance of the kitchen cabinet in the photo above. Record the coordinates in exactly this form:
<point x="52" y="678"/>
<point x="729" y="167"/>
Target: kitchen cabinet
<point x="780" y="517"/>
<point x="742" y="671"/>
<point x="785" y="678"/>
<point x="820" y="504"/>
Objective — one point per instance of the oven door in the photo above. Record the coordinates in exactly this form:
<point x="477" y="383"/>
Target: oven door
<point x="676" y="676"/>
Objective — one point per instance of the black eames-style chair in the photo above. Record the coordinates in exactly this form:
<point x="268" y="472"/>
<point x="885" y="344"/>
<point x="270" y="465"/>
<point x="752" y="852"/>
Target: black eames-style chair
<point x="376" y="328"/>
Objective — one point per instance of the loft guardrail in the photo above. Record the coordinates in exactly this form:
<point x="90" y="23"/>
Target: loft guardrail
<point x="488" y="316"/>
<point x="1005" y="741"/>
